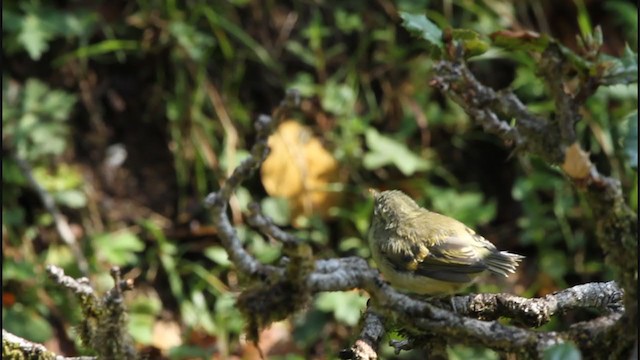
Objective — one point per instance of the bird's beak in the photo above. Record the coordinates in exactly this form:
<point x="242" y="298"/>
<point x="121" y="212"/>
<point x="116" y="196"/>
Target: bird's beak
<point x="373" y="192"/>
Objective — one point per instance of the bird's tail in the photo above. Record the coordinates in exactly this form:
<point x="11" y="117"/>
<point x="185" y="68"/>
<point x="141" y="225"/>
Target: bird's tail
<point x="503" y="262"/>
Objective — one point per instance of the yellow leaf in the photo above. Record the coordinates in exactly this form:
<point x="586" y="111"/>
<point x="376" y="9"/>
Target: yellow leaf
<point x="576" y="162"/>
<point x="166" y="334"/>
<point x="301" y="170"/>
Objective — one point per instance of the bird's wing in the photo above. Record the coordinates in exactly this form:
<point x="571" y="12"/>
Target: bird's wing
<point x="452" y="259"/>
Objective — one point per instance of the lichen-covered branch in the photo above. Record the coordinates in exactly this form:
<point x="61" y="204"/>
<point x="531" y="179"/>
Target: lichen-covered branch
<point x="15" y="347"/>
<point x="103" y="327"/>
<point x="602" y="297"/>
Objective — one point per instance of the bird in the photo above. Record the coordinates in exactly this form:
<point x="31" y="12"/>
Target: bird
<point x="426" y="253"/>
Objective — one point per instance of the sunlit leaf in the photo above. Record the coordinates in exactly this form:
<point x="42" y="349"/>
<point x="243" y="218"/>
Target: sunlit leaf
<point x="468" y="207"/>
<point x="140" y="327"/>
<point x="301" y="170"/>
<point x="118" y="248"/>
<point x="421" y="25"/>
<point x="474" y="44"/>
<point x="218" y="254"/>
<point x="276" y="208"/>
<point x="346" y="306"/>
<point x="623" y="70"/>
<point x="34" y="36"/>
<point x="384" y="150"/>
<point x="17" y="270"/>
<point x="26" y="323"/>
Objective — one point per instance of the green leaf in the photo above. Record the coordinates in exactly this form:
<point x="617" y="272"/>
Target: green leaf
<point x="118" y="248"/>
<point x="37" y="125"/>
<point x="74" y="199"/>
<point x="385" y="150"/>
<point x="474" y="44"/>
<point x="242" y="36"/>
<point x="520" y="40"/>
<point x="11" y="20"/>
<point x="422" y="26"/>
<point x="345" y="306"/>
<point x="194" y="316"/>
<point x="11" y="173"/>
<point x="469" y="208"/>
<point x="34" y="36"/>
<point x="565" y="351"/>
<point x="555" y="264"/>
<point x="277" y="209"/>
<point x="339" y="99"/>
<point x="60" y="255"/>
<point x="350" y="243"/>
<point x="625" y="15"/>
<point x="226" y="313"/>
<point x="309" y="326"/>
<point x="19" y="271"/>
<point x="62" y="178"/>
<point x="631" y="140"/>
<point x="104" y="47"/>
<point x="218" y="255"/>
<point x="265" y="251"/>
<point x="194" y="42"/>
<point x="623" y="70"/>
<point x="348" y="22"/>
<point x="141" y="327"/>
<point x="26" y="323"/>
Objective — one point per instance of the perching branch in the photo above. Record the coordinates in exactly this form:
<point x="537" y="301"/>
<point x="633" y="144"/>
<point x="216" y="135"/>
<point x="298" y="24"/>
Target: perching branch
<point x="283" y="289"/>
<point x="603" y="297"/>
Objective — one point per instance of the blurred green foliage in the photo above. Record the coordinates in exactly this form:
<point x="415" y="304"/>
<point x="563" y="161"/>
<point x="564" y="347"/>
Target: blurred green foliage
<point x="192" y="75"/>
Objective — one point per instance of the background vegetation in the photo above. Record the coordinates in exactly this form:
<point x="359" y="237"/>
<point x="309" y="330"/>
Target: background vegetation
<point x="129" y="112"/>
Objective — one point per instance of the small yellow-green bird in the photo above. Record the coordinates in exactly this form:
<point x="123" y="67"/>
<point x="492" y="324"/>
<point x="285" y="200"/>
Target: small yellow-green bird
<point x="423" y="252"/>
